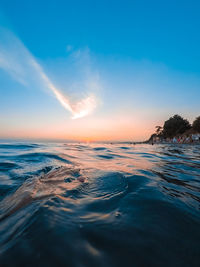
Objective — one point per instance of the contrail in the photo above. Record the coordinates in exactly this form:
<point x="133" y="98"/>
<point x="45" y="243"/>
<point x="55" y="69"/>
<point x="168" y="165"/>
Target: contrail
<point x="17" y="60"/>
<point x="79" y="109"/>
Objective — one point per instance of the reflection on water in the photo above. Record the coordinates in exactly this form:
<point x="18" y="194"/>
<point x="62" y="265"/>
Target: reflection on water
<point x="99" y="205"/>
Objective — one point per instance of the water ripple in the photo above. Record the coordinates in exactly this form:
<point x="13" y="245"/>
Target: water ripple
<point x="99" y="205"/>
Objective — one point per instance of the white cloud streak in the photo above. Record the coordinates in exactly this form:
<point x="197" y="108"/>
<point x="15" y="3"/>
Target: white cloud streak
<point x="16" y="60"/>
<point x="78" y="109"/>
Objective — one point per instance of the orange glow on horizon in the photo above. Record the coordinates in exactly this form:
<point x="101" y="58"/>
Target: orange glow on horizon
<point x="119" y="128"/>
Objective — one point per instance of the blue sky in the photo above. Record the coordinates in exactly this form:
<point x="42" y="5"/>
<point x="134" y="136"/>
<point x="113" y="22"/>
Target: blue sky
<point x="140" y="59"/>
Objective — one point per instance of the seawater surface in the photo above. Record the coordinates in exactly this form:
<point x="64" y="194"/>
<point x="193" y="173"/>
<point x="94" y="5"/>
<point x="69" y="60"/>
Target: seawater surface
<point x="65" y="204"/>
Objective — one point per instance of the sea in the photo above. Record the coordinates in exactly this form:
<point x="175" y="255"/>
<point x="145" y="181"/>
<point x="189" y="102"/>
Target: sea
<point x="117" y="204"/>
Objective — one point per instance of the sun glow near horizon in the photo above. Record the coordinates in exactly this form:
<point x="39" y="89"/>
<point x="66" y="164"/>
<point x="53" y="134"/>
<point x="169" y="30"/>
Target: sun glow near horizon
<point x="111" y="128"/>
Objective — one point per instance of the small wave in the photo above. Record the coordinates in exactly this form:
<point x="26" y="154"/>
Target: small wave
<point x="99" y="148"/>
<point x="107" y="185"/>
<point x="105" y="156"/>
<point x="111" y="156"/>
<point x="38" y="156"/>
<point x="18" y="146"/>
<point x="5" y="166"/>
<point x="50" y="184"/>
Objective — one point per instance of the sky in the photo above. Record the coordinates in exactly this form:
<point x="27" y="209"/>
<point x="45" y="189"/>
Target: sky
<point x="97" y="70"/>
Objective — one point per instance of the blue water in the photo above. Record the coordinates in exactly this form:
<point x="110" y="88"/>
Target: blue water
<point x="99" y="205"/>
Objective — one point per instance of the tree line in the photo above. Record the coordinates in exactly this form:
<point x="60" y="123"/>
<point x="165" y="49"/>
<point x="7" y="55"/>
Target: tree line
<point x="175" y="126"/>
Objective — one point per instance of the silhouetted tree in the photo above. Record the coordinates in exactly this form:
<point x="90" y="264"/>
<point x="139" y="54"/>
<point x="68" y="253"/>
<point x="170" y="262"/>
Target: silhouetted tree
<point x="196" y="124"/>
<point x="159" y="130"/>
<point x="175" y="125"/>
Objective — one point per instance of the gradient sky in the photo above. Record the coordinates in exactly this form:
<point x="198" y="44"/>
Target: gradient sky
<point x="124" y="66"/>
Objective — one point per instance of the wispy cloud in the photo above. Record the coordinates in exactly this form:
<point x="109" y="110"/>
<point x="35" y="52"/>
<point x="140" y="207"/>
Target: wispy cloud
<point x="16" y="60"/>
